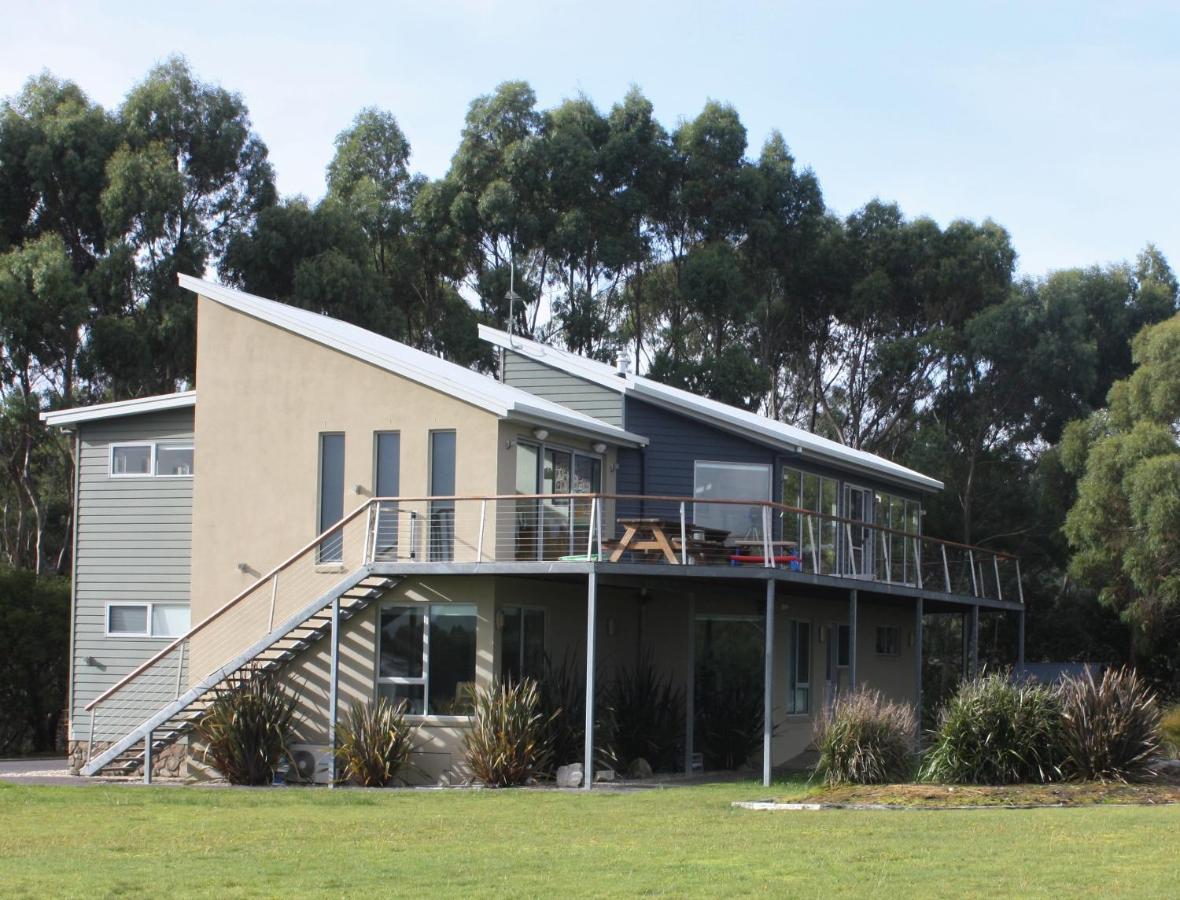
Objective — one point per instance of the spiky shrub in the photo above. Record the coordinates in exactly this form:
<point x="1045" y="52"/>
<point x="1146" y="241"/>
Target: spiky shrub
<point x="1112" y="726"/>
<point x="246" y="729"/>
<point x="728" y="712"/>
<point x="866" y="739"/>
<point x="993" y="731"/>
<point x="563" y="708"/>
<point x="1170" y="730"/>
<point x="646" y="714"/>
<point x="508" y="742"/>
<point x="375" y="743"/>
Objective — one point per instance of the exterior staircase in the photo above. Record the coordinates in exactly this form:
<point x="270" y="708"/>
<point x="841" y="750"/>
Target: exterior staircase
<point x="301" y="630"/>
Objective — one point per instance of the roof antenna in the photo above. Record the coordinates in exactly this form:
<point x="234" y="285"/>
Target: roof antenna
<point x="511" y="297"/>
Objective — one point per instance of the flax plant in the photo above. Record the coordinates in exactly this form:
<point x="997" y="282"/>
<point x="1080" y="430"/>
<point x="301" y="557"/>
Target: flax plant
<point x="509" y="740"/>
<point x="1112" y="727"/>
<point x="246" y="729"/>
<point x="375" y="743"/>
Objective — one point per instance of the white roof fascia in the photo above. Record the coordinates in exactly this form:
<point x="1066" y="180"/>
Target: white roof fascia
<point x="135" y="407"/>
<point x="712" y="412"/>
<point x="434" y="372"/>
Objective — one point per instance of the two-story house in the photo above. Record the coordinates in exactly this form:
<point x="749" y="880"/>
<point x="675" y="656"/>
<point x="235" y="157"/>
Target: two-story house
<point x="371" y="520"/>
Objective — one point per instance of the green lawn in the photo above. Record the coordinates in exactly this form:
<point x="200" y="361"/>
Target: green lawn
<point x="105" y="841"/>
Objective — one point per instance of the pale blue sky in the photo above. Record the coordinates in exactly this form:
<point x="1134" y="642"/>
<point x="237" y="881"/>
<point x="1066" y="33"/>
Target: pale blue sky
<point x="1058" y="120"/>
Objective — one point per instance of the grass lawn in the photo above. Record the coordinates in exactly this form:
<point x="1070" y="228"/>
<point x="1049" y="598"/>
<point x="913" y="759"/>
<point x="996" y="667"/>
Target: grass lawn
<point x="105" y="841"/>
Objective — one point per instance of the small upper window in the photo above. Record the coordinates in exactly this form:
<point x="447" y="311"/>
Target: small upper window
<point x="129" y="460"/>
<point x="174" y="460"/>
<point x="156" y="620"/>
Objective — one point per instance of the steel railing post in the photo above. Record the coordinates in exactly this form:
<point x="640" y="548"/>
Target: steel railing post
<point x="814" y="550"/>
<point x="590" y="528"/>
<point x="885" y="557"/>
<point x="1019" y="583"/>
<point x="368" y="531"/>
<point x="974" y="578"/>
<point x="918" y="561"/>
<point x="946" y="568"/>
<point x="599" y="533"/>
<point x="767" y="539"/>
<point x="90" y="741"/>
<point x="180" y="669"/>
<point x="996" y="567"/>
<point x="375" y="513"/>
<point x="274" y="594"/>
<point x="483" y="514"/>
<point x="683" y="537"/>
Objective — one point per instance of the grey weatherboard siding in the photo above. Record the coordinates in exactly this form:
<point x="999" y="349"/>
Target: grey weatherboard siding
<point x="134" y="544"/>
<point x="561" y="387"/>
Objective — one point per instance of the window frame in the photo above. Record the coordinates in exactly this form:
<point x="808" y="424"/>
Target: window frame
<point x="793" y="666"/>
<point x="896" y="631"/>
<point x="769" y="467"/>
<point x="522" y="608"/>
<point x="422" y="680"/>
<point x="171" y="445"/>
<point x="115" y="445"/>
<point x="149" y="606"/>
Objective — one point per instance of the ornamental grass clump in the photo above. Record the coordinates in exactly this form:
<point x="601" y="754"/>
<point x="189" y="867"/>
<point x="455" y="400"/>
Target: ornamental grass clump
<point x="866" y="739"/>
<point x="995" y="732"/>
<point x="246" y="729"/>
<point x="646" y="718"/>
<point x="375" y="743"/>
<point x="1112" y="727"/>
<point x="508" y="743"/>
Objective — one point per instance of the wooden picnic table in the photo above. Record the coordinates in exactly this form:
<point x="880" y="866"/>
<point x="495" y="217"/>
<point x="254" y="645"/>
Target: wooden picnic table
<point x="656" y="535"/>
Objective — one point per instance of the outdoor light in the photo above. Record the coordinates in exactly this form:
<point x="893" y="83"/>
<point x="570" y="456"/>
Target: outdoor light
<point x="598" y="447"/>
<point x="540" y="433"/>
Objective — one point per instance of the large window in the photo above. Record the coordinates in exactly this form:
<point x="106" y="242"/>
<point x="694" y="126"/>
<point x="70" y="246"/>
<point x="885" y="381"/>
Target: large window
<point x="386" y="483"/>
<point x="147" y="620"/>
<point x="551" y="528"/>
<point x="522" y="643"/>
<point x="331" y="496"/>
<point x="897" y="554"/>
<point x="442" y="484"/>
<point x="426" y="657"/>
<point x="814" y="536"/>
<point x="799" y="668"/>
<point x="730" y="481"/>
<point x="149" y="459"/>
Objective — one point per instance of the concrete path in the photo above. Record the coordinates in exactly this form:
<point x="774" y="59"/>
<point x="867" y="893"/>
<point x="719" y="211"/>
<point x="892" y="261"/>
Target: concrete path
<point x="51" y="770"/>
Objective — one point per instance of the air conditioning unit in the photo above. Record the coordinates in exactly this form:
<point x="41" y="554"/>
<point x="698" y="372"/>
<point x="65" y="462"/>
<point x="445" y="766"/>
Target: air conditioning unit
<point x="310" y="764"/>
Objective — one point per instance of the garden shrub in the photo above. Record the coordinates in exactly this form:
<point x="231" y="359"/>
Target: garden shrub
<point x="866" y="739"/>
<point x="1112" y="726"/>
<point x="375" y="743"/>
<point x="246" y="729"/>
<point x="563" y="708"/>
<point x="1170" y="730"/>
<point x="646" y="719"/>
<point x="508" y="742"/>
<point x="993" y="731"/>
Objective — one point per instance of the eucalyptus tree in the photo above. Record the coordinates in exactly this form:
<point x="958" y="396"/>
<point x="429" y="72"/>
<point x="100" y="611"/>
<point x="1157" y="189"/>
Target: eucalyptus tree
<point x="189" y="175"/>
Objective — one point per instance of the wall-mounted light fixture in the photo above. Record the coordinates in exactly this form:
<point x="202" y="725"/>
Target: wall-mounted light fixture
<point x="598" y="447"/>
<point x="540" y="433"/>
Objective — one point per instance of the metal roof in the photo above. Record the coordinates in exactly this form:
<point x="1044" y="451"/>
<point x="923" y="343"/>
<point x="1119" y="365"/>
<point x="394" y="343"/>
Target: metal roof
<point x="137" y="406"/>
<point x="720" y="415"/>
<point x="434" y="372"/>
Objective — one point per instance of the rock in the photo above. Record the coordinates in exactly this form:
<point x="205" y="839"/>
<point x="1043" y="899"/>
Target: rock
<point x="604" y="775"/>
<point x="1167" y="771"/>
<point x="640" y="768"/>
<point x="569" y="776"/>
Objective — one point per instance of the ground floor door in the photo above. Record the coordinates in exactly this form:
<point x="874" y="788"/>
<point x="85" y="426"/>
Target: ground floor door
<point x="836" y="661"/>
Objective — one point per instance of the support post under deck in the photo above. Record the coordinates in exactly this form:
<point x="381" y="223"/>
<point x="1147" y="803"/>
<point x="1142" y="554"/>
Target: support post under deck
<point x="918" y="673"/>
<point x="591" y="628"/>
<point x="333" y="691"/>
<point x="768" y="687"/>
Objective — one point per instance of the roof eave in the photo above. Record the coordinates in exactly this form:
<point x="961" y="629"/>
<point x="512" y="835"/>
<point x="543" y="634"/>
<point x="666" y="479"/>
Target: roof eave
<point x="61" y="418"/>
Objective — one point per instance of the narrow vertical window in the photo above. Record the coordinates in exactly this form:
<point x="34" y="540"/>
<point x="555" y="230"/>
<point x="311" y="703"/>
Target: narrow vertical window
<point x="442" y="484"/>
<point x="386" y="483"/>
<point x="331" y="495"/>
<point x="799" y="687"/>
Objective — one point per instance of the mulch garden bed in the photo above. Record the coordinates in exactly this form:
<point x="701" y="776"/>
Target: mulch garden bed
<point x="1020" y="796"/>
